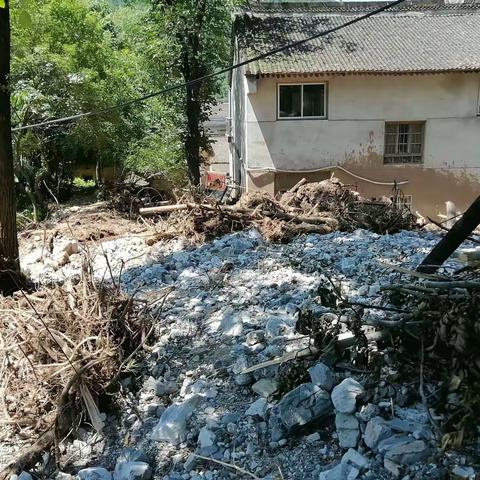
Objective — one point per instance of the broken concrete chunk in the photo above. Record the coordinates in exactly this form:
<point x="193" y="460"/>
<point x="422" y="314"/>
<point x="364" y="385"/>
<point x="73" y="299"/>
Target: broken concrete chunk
<point x="303" y="404"/>
<point x="172" y="426"/>
<point x="94" y="473"/>
<point x="265" y="387"/>
<point x="345" y="395"/>
<point x="375" y="432"/>
<point x="322" y="376"/>
<point x="367" y="412"/>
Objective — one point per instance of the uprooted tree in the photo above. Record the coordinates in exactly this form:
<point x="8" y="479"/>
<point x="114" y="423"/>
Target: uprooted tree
<point x="9" y="266"/>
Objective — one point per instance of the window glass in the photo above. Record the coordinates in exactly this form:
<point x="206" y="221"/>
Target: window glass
<point x="314" y="100"/>
<point x="290" y="101"/>
<point x="403" y="142"/>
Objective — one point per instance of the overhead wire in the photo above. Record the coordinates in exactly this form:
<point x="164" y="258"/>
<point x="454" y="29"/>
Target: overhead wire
<point x="217" y="73"/>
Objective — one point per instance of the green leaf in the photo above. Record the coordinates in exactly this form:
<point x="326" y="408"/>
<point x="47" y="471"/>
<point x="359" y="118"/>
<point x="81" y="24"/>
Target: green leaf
<point x="2" y="4"/>
<point x="24" y="18"/>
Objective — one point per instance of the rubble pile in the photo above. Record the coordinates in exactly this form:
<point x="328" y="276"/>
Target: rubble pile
<point x="324" y="358"/>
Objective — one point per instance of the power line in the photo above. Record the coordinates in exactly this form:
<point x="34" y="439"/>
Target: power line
<point x="178" y="86"/>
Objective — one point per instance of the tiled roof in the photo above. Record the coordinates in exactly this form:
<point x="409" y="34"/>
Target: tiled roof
<point x="409" y="40"/>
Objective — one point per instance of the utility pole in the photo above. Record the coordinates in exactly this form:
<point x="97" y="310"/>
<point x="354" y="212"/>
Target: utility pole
<point x="9" y="263"/>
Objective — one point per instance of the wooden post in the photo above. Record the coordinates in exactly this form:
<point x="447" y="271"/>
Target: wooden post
<point x="453" y="239"/>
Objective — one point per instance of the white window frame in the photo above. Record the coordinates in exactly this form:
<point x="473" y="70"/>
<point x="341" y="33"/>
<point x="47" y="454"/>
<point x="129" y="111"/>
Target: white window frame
<point x="325" y="87"/>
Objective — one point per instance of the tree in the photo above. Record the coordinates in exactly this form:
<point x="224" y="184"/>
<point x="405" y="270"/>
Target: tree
<point x="9" y="264"/>
<point x="194" y="36"/>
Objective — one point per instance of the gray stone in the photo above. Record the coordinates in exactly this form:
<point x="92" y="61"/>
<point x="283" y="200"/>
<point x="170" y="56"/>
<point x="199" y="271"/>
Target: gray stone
<point x="345" y="395"/>
<point x="257" y="408"/>
<point x="313" y="437"/>
<point x="255" y="337"/>
<point x="132" y="471"/>
<point x="265" y="387"/>
<point x="94" y="473"/>
<point x="303" y="404"/>
<point x="463" y="473"/>
<point x="348" y="438"/>
<point x="409" y="452"/>
<point x="367" y="412"/>
<point x="404" y="426"/>
<point x="206" y="438"/>
<point x="24" y="476"/>
<point x="335" y="473"/>
<point x="375" y="432"/>
<point x="352" y="457"/>
<point x="165" y="388"/>
<point x="347" y="430"/>
<point x="392" y="468"/>
<point x="322" y="376"/>
<point x="172" y="426"/>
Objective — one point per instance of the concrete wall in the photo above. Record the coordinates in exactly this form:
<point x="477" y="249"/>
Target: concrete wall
<point x="353" y="135"/>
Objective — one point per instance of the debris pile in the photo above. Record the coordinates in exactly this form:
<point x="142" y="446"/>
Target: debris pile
<point x="60" y="349"/>
<point x="320" y="207"/>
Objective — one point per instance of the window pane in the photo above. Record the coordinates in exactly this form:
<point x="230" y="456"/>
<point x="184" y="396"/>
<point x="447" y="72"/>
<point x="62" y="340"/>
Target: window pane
<point x="290" y="100"/>
<point x="314" y="100"/>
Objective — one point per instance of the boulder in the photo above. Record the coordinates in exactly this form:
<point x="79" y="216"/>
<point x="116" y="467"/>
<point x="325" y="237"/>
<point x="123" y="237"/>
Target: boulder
<point x="404" y="450"/>
<point x="347" y="429"/>
<point x="345" y="395"/>
<point x="375" y="432"/>
<point x="303" y="404"/>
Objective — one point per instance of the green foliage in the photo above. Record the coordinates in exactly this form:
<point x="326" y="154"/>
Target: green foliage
<point x="81" y="184"/>
<point x="71" y="56"/>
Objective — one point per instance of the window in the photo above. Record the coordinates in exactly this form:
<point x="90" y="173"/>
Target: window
<point x="403" y="142"/>
<point x="302" y="101"/>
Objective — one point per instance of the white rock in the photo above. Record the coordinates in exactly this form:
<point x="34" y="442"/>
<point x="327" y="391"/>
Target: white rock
<point x="94" y="473"/>
<point x="335" y="473"/>
<point x="172" y="426"/>
<point x="132" y="471"/>
<point x="345" y="395"/>
<point x="392" y="468"/>
<point x="321" y="375"/>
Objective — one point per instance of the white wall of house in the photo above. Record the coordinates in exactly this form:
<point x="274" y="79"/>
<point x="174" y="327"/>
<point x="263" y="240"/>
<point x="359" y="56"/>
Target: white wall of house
<point x="353" y="134"/>
<point x="357" y="109"/>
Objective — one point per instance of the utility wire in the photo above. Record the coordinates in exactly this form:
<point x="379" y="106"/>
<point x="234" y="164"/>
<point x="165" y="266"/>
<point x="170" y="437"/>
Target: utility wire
<point x="178" y="86"/>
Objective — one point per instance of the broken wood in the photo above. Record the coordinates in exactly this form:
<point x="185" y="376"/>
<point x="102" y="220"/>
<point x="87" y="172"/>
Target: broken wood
<point x="443" y="227"/>
<point x="453" y="239"/>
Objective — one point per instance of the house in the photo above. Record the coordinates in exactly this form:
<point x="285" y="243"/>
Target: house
<point x="216" y="126"/>
<point x="388" y="104"/>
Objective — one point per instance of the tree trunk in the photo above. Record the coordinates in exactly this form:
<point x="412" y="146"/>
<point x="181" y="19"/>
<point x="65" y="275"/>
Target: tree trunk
<point x="193" y="136"/>
<point x="9" y="264"/>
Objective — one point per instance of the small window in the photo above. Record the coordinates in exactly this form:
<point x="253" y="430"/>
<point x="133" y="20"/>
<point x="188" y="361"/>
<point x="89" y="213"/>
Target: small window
<point x="302" y="101"/>
<point x="403" y="142"/>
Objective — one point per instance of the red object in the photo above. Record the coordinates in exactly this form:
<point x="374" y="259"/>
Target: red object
<point x="216" y="181"/>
